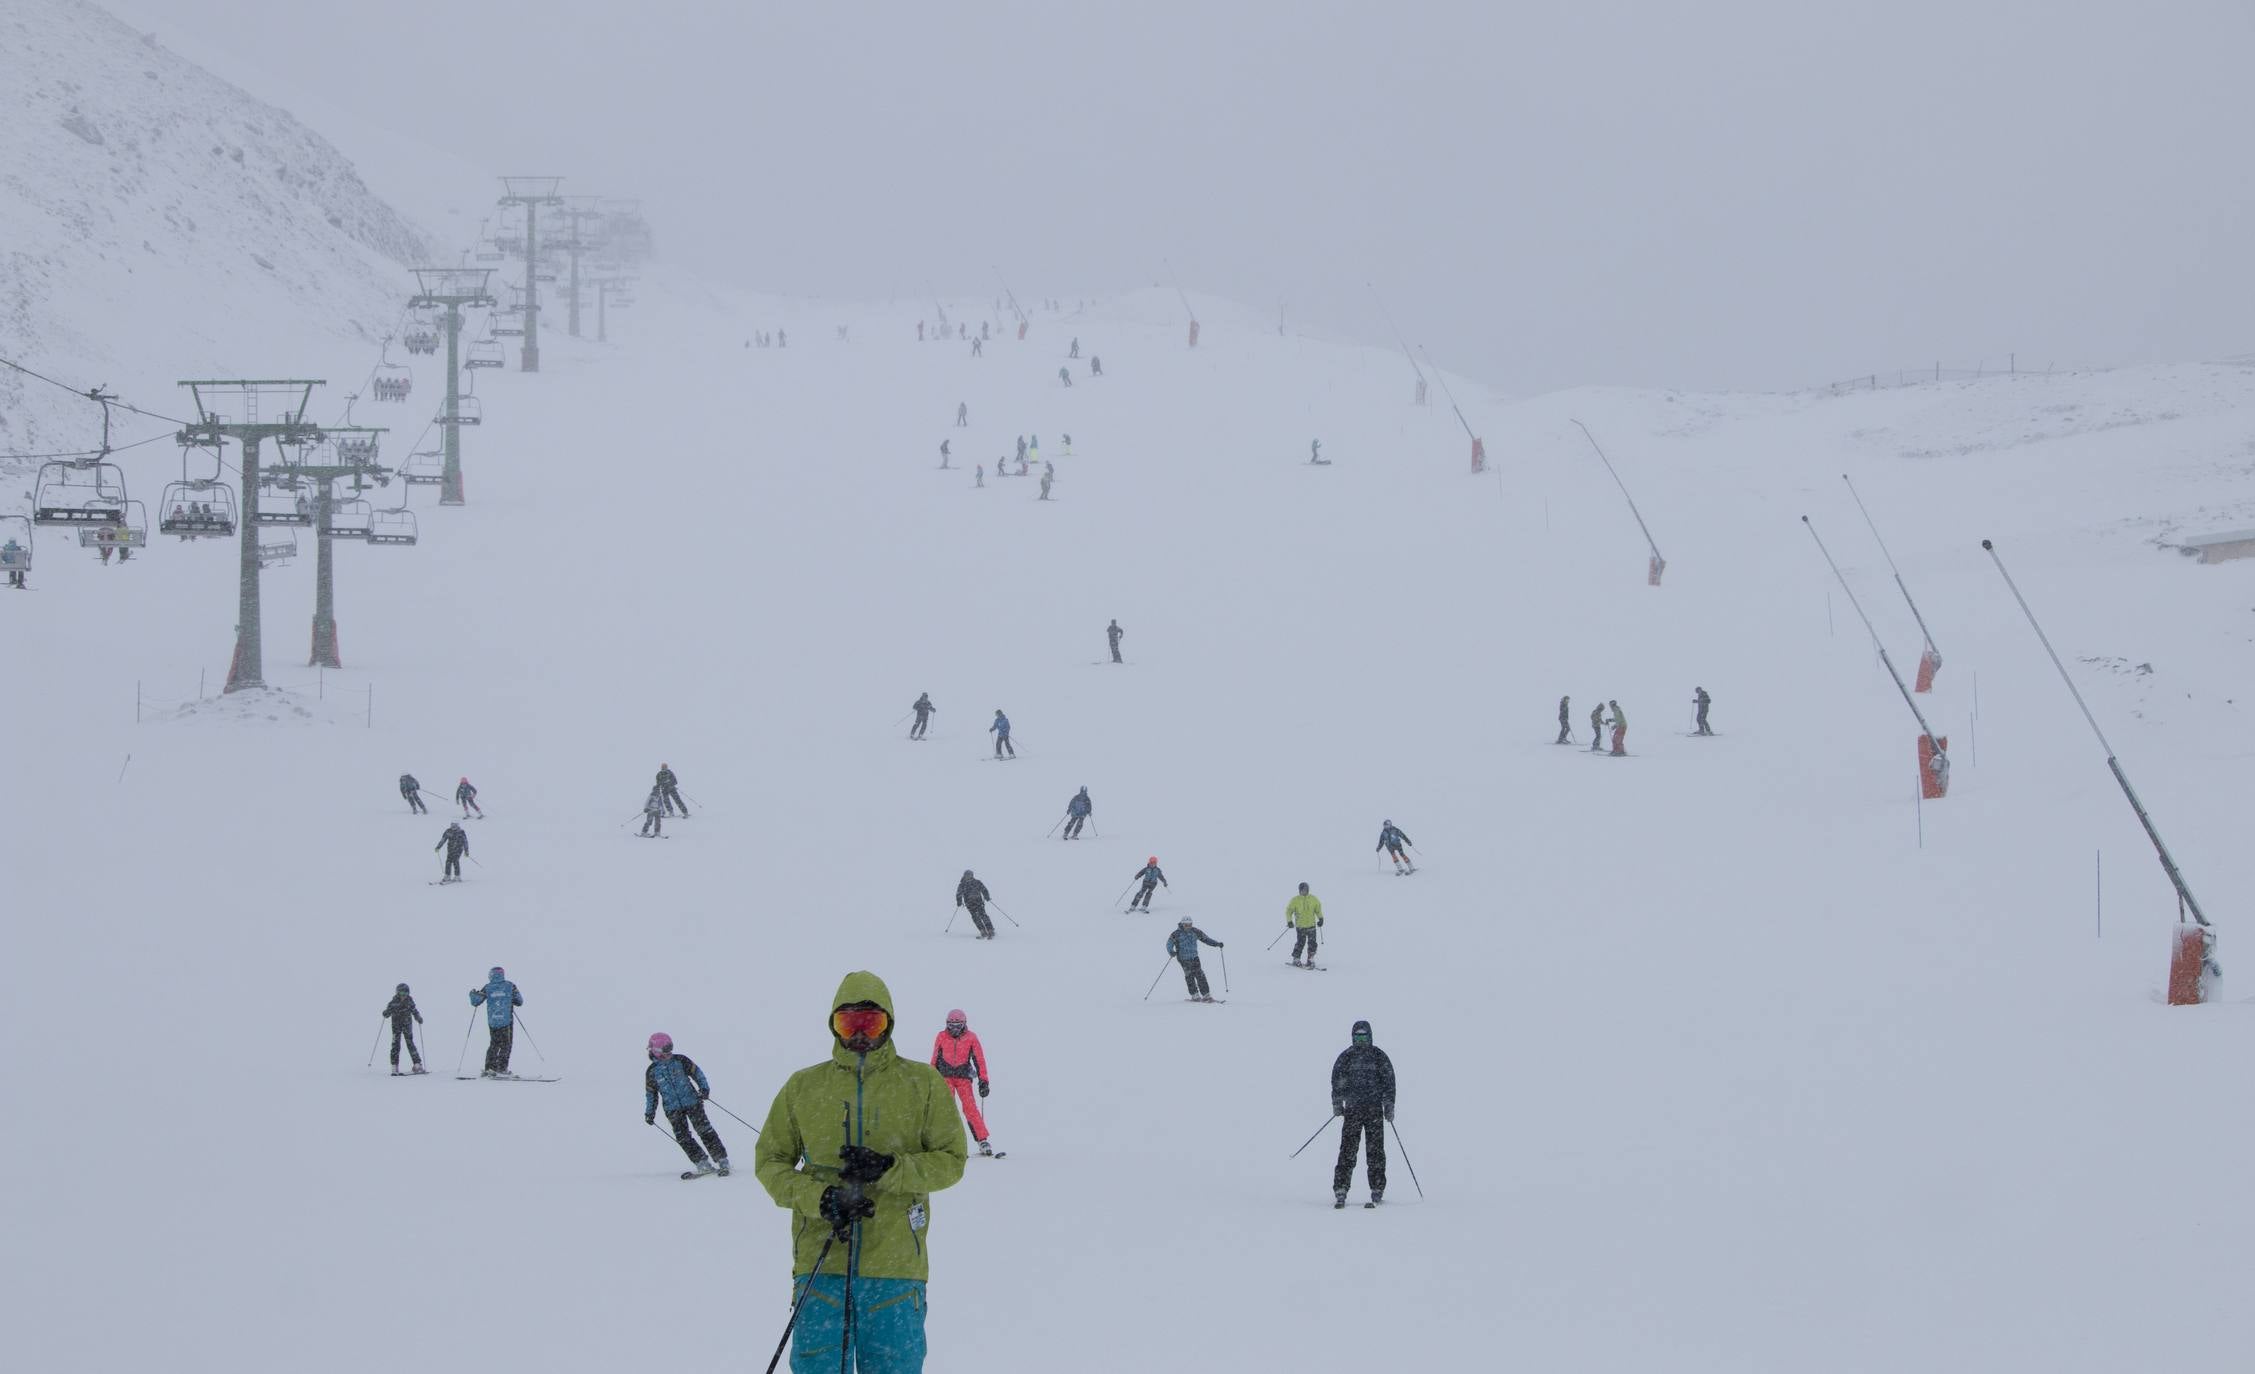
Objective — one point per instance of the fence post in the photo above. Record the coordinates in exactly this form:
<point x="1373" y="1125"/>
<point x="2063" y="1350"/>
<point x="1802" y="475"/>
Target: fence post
<point x="136" y="701"/>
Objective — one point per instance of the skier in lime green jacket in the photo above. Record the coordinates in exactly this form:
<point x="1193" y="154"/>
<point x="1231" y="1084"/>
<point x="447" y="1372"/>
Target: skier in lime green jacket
<point x="1304" y="914"/>
<point x="854" y="1147"/>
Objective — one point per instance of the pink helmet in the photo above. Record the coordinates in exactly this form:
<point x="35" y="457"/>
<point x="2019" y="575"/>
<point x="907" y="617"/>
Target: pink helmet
<point x="661" y="1044"/>
<point x="957" y="1018"/>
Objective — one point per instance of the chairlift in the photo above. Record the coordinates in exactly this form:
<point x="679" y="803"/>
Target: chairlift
<point x="394" y="527"/>
<point x="356" y="449"/>
<point x="505" y="330"/>
<point x="469" y="411"/>
<point x="201" y="509"/>
<point x="68" y="493"/>
<point x="284" y="505"/>
<point x="15" y="544"/>
<point x="391" y="382"/>
<point x="349" y="519"/>
<point x="424" y="469"/>
<point x="129" y="531"/>
<point x="277" y="548"/>
<point x="484" y="353"/>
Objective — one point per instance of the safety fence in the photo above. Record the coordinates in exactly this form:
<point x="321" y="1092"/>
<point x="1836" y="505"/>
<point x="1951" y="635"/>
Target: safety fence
<point x="312" y="695"/>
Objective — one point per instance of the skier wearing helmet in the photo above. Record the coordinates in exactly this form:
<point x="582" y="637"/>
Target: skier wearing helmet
<point x="1150" y="876"/>
<point x="1077" y="812"/>
<point x="500" y="999"/>
<point x="962" y="1061"/>
<point x="677" y="1082"/>
<point x="1394" y="840"/>
<point x="669" y="791"/>
<point x="1183" y="945"/>
<point x="1304" y="914"/>
<point x="972" y="895"/>
<point x="1001" y="732"/>
<point x="854" y="1147"/>
<point x="400" y="1011"/>
<point x="467" y="797"/>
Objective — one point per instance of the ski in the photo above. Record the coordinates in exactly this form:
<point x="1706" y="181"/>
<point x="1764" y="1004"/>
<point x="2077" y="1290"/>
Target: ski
<point x="444" y="882"/>
<point x="1368" y="1206"/>
<point x="687" y="1174"/>
<point x="507" y="1078"/>
<point x="1403" y="872"/>
<point x="1211" y="1001"/>
<point x="1312" y="968"/>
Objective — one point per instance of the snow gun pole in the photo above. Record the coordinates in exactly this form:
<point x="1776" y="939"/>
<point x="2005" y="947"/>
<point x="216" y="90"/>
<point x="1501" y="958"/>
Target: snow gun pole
<point x="800" y="1302"/>
<point x="1887" y="662"/>
<point x="1318" y="1131"/>
<point x="739" y="1120"/>
<point x="1444" y="381"/>
<point x="1405" y="1158"/>
<point x="1657" y="561"/>
<point x="1388" y="316"/>
<point x="1898" y="572"/>
<point x="2168" y="864"/>
<point x="1155" y="982"/>
<point x="519" y="1020"/>
<point x="1010" y="296"/>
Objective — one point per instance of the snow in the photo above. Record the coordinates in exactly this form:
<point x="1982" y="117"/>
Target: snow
<point x="1725" y="1056"/>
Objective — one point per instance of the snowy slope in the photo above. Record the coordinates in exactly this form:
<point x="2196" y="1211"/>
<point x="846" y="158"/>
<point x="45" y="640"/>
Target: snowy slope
<point x="1706" y="1064"/>
<point x="157" y="223"/>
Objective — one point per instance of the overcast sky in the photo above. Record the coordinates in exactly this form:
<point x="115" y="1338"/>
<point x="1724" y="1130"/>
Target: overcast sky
<point x="1729" y="193"/>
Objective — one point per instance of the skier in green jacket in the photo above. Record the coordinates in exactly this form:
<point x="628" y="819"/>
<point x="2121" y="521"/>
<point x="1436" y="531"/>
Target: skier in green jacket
<point x="854" y="1147"/>
<point x="1620" y="724"/>
<point x="1304" y="915"/>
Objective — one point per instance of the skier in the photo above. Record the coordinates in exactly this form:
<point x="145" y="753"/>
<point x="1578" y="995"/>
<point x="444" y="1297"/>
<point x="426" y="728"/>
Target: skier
<point x="1095" y="366"/>
<point x="1596" y="726"/>
<point x="1393" y="840"/>
<point x="1315" y="453"/>
<point x="467" y="796"/>
<point x="401" y="1012"/>
<point x="919" y="331"/>
<point x="961" y="1060"/>
<point x="1565" y="728"/>
<point x="962" y="414"/>
<point x="1362" y="1092"/>
<point x="978" y="348"/>
<point x="676" y="1081"/>
<point x="1048" y="475"/>
<point x="669" y="790"/>
<point x="1183" y="945"/>
<point x="782" y="340"/>
<point x="1150" y="876"/>
<point x="854" y="1147"/>
<point x="456" y="842"/>
<point x="1620" y="724"/>
<point x="1077" y="812"/>
<point x="653" y="815"/>
<point x="500" y="999"/>
<point x="979" y="478"/>
<point x="1700" y="701"/>
<point x="1021" y="450"/>
<point x="973" y="896"/>
<point x="413" y="791"/>
<point x="1076" y="349"/>
<point x="1001" y="732"/>
<point x="1304" y="914"/>
<point x="1065" y="375"/>
<point x="13" y="555"/>
<point x="1112" y="633"/>
<point x="923" y="709"/>
<point x="943" y="455"/>
<point x="1033" y="451"/>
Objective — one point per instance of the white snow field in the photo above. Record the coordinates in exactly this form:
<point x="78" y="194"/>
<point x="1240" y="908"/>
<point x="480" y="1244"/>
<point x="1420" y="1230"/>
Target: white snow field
<point x="1705" y="1063"/>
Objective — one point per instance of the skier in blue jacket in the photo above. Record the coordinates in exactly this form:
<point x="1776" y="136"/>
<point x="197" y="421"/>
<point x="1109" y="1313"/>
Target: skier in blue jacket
<point x="1394" y="840"/>
<point x="1001" y="732"/>
<point x="675" y="1080"/>
<point x="1077" y="812"/>
<point x="500" y="999"/>
<point x="1183" y="946"/>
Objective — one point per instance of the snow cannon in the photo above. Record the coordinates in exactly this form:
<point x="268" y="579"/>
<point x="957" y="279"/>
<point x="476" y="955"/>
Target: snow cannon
<point x="2192" y="965"/>
<point x="1933" y="766"/>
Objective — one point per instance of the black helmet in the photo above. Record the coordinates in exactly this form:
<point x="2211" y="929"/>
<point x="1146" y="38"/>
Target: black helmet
<point x="403" y="987"/>
<point x="966" y="872"/>
<point x="1303" y="887"/>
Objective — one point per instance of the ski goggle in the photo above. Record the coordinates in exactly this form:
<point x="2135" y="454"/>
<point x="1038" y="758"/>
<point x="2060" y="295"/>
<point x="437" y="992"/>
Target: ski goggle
<point x="847" y="1023"/>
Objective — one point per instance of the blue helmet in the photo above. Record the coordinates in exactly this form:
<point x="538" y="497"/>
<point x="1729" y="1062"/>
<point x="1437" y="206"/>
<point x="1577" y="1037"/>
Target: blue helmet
<point x="496" y="972"/>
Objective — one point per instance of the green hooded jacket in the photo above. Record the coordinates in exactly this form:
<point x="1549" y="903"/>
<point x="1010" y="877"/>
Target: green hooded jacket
<point x="896" y="1106"/>
<point x="1304" y="910"/>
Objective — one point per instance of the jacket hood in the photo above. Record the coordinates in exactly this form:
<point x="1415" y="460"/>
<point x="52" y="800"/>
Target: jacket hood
<point x="861" y="986"/>
<point x="1361" y="1028"/>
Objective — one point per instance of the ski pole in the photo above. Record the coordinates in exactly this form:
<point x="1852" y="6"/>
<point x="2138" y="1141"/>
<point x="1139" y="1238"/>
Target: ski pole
<point x="519" y="1018"/>
<point x="472" y="858"/>
<point x="903" y="716"/>
<point x="1123" y="892"/>
<point x="1053" y="829"/>
<point x="1287" y="931"/>
<point x="1007" y="916"/>
<point x="1405" y="1158"/>
<point x="1155" y="982"/>
<point x="1319" y="1131"/>
<point x="800" y="1301"/>
<point x="951" y="920"/>
<point x="740" y="1120"/>
<point x="375" y="1047"/>
<point x="464" y="1056"/>
<point x="1225" y="969"/>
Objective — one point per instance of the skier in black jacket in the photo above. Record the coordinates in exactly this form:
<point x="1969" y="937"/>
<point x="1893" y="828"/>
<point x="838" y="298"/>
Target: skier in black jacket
<point x="456" y="843"/>
<point x="1362" y="1092"/>
<point x="1150" y="876"/>
<point x="669" y="791"/>
<point x="413" y="791"/>
<point x="1393" y="839"/>
<point x="1565" y="726"/>
<point x="973" y="896"/>
<point x="1113" y="633"/>
<point x="400" y="1011"/>
<point x="923" y="709"/>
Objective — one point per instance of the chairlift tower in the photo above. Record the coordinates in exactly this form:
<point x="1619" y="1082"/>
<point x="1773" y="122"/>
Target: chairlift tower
<point x="452" y="290"/>
<point x="259" y="410"/>
<point x="577" y="210"/>
<point x="532" y="193"/>
<point x="605" y="289"/>
<point x="352" y="449"/>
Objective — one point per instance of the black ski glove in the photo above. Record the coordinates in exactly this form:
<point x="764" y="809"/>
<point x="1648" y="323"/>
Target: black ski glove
<point x="1319" y="922"/>
<point x="982" y="1087"/>
<point x="1221" y="944"/>
<point x="703" y="1096"/>
<point x="841" y="1207"/>
<point x="1389" y="1113"/>
<point x="1338" y="1108"/>
<point x="858" y="1164"/>
<point x="649" y="1118"/>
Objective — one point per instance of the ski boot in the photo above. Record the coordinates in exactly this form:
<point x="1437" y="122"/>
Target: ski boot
<point x="705" y="1166"/>
<point x="486" y="1073"/>
<point x="418" y="1068"/>
<point x="1338" y="1199"/>
<point x="986" y="1148"/>
<point x="396" y="1073"/>
<point x="1377" y="1195"/>
<point x="720" y="1165"/>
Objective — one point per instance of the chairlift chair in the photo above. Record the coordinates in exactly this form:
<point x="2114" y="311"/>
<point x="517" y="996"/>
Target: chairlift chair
<point x="200" y="509"/>
<point x="424" y="469"/>
<point x="284" y="506"/>
<point x="129" y="531"/>
<point x="470" y="411"/>
<point x="349" y="519"/>
<point x="92" y="493"/>
<point x="15" y="543"/>
<point x="484" y="353"/>
<point x="393" y="382"/>
<point x="394" y="527"/>
<point x="356" y="450"/>
<point x="277" y="547"/>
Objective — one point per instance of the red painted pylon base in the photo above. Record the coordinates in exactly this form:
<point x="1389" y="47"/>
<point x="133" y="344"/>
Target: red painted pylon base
<point x="2188" y="960"/>
<point x="1933" y="768"/>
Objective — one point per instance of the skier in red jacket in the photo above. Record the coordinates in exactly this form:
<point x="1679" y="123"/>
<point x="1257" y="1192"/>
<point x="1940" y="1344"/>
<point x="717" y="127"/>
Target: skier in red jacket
<point x="962" y="1060"/>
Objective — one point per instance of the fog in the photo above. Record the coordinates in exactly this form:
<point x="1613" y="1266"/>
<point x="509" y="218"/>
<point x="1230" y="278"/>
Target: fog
<point x="1732" y="194"/>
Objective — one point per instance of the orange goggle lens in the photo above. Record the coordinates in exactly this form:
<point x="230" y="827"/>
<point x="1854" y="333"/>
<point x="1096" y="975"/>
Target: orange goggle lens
<point x="850" y="1022"/>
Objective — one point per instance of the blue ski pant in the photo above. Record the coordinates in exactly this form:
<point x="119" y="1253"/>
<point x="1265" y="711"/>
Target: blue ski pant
<point x="888" y="1320"/>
